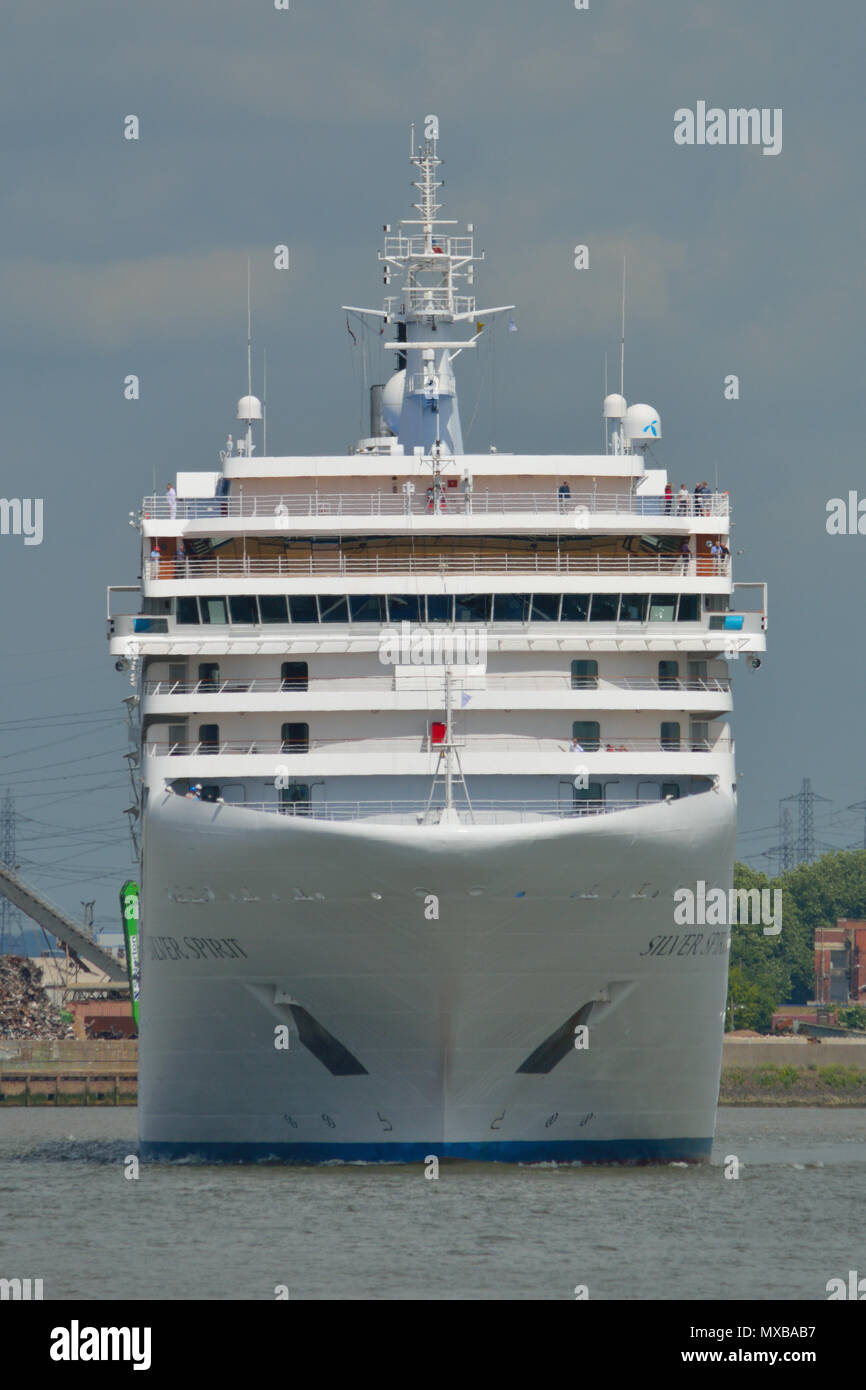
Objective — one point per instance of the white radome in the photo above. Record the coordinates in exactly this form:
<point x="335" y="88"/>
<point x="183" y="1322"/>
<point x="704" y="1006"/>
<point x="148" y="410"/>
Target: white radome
<point x="642" y="424"/>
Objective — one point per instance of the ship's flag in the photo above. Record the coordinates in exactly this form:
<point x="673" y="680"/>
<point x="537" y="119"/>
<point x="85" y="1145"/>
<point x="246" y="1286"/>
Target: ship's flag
<point x="350" y="333"/>
<point x="512" y="326"/>
<point x="478" y="327"/>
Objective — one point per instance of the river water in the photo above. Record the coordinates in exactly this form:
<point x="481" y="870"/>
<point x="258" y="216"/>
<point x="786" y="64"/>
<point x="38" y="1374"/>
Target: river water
<point x="791" y="1221"/>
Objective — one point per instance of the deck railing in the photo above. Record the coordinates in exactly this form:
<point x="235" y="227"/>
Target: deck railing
<point x="266" y="685"/>
<point x="292" y="566"/>
<point x="424" y="743"/>
<point x="279" y="509"/>
<point x="482" y="812"/>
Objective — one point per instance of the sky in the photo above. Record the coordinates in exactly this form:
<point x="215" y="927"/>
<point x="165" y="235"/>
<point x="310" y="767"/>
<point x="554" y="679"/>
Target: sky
<point x="260" y="127"/>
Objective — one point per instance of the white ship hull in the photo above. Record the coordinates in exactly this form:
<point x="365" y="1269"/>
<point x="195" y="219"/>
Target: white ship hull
<point x="420" y="1027"/>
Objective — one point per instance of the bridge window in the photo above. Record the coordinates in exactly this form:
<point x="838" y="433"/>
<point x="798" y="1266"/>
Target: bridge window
<point x="243" y="609"/>
<point x="663" y="608"/>
<point x="367" y="608"/>
<point x="632" y="608"/>
<point x="273" y="608"/>
<point x="545" y="608"/>
<point x="473" y="608"/>
<point x="405" y="608"/>
<point x="303" y="608"/>
<point x="213" y="610"/>
<point x="511" y="608"/>
<point x="334" y="608"/>
<point x="689" y="609"/>
<point x="604" y="608"/>
<point x="440" y="608"/>
<point x="187" y="609"/>
<point x="575" y="608"/>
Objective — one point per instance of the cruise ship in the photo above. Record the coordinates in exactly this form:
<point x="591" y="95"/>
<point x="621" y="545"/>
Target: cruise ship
<point x="423" y="744"/>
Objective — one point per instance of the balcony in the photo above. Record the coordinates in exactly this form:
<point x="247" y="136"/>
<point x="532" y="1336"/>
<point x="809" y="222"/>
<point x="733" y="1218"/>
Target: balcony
<point x="285" y="566"/>
<point x="278" y="508"/>
<point x="504" y="746"/>
<point x="411" y="812"/>
<point x="319" y="685"/>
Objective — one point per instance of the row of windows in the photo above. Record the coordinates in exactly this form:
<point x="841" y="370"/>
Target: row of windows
<point x="295" y="674"/>
<point x="251" y="609"/>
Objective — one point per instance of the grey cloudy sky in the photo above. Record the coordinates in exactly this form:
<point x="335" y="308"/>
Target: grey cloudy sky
<point x="260" y="127"/>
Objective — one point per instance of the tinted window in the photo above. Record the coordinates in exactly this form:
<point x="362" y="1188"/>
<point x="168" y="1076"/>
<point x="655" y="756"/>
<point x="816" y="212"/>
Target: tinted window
<point x="584" y="675"/>
<point x="589" y="798"/>
<point x="367" y="608"/>
<point x="511" y="608"/>
<point x="670" y="736"/>
<point x="273" y="608"/>
<point x="586" y="732"/>
<point x="473" y="608"/>
<point x="295" y="737"/>
<point x="243" y="609"/>
<point x="604" y="608"/>
<point x="294" y="675"/>
<point x="303" y="608"/>
<point x="334" y="608"/>
<point x="439" y="608"/>
<point x="405" y="608"/>
<point x="187" y="610"/>
<point x="633" y="607"/>
<point x="575" y="608"/>
<point x="213" y="610"/>
<point x="690" y="608"/>
<point x="545" y="608"/>
<point x="662" y="608"/>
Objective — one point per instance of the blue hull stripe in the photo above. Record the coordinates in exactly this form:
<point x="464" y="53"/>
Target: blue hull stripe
<point x="513" y="1151"/>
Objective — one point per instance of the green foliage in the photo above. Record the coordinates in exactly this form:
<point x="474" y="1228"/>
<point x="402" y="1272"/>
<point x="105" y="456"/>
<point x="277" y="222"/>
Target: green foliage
<point x="853" y="1017"/>
<point x="767" y="972"/>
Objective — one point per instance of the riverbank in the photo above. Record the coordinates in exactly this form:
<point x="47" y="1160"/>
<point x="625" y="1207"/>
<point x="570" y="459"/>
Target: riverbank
<point x="755" y="1071"/>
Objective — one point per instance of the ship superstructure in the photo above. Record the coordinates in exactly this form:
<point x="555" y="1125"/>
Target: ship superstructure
<point x="428" y="740"/>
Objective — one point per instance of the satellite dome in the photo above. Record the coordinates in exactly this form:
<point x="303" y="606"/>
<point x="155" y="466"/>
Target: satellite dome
<point x="392" y="400"/>
<point x="614" y="407"/>
<point x="249" y="408"/>
<point x="642" y="425"/>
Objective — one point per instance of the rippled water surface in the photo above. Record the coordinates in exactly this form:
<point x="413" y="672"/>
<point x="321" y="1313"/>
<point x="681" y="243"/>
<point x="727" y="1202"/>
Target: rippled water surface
<point x="787" y="1224"/>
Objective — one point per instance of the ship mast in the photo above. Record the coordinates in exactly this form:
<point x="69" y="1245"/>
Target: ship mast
<point x="431" y="264"/>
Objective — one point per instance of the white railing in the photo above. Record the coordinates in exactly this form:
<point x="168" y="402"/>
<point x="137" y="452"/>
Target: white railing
<point x="424" y="743"/>
<point x="267" y="685"/>
<point x="290" y="566"/>
<point x="486" y="811"/>
<point x="400" y="246"/>
<point x="277" y="508"/>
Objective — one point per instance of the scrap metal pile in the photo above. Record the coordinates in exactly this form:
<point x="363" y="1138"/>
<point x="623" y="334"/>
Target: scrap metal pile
<point x="25" y="1009"/>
